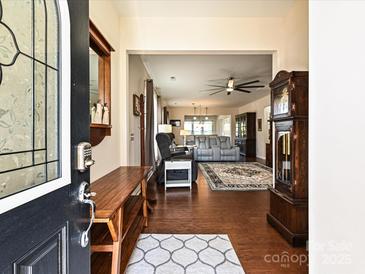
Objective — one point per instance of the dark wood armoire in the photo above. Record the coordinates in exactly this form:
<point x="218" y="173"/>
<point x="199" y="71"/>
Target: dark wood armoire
<point x="246" y="133"/>
<point x="289" y="197"/>
<point x="268" y="145"/>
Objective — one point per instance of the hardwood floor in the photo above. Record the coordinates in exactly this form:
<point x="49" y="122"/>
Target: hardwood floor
<point x="241" y="215"/>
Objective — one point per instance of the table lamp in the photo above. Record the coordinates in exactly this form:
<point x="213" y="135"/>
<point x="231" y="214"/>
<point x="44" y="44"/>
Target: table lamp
<point x="184" y="133"/>
<point x="164" y="128"/>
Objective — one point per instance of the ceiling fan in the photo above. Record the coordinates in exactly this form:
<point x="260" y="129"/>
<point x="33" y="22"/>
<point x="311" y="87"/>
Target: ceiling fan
<point x="233" y="84"/>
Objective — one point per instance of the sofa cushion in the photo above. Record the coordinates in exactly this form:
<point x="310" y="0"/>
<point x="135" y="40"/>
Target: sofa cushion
<point x="205" y="152"/>
<point x="202" y="142"/>
<point x="224" y="142"/>
<point x="213" y="141"/>
<point x="228" y="152"/>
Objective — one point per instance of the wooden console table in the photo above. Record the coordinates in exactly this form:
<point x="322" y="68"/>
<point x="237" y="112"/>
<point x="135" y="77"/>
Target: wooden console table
<point x="121" y="214"/>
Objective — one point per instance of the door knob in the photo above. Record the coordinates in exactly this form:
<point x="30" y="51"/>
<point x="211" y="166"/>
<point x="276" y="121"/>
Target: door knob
<point x="84" y="197"/>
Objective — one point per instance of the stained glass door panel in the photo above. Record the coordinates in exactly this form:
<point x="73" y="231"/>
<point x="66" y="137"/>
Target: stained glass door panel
<point x="29" y="94"/>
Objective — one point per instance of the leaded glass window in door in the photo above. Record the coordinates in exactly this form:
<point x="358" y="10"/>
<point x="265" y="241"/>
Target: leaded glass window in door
<point x="29" y="94"/>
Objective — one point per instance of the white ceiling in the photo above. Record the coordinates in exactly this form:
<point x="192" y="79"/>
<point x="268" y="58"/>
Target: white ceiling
<point x="193" y="73"/>
<point x="204" y="8"/>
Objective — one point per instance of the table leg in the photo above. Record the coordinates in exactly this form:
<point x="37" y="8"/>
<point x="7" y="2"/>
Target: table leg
<point x="190" y="177"/>
<point x="115" y="229"/>
<point x="145" y="207"/>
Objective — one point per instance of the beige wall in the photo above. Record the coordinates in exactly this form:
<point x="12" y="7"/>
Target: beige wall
<point x="177" y="113"/>
<point x="137" y="76"/>
<point x="286" y="38"/>
<point x="295" y="46"/>
<point x="261" y="136"/>
<point x="107" y="154"/>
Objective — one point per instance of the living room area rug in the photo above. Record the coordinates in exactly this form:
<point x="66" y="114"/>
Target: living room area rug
<point x="237" y="176"/>
<point x="184" y="254"/>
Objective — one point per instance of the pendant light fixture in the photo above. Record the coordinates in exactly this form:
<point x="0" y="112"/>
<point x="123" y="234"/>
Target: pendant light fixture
<point x="194" y="117"/>
<point x="200" y="114"/>
<point x="206" y="113"/>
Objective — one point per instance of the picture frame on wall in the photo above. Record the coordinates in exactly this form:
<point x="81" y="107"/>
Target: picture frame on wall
<point x="259" y="124"/>
<point x="136" y="105"/>
<point x="175" y="123"/>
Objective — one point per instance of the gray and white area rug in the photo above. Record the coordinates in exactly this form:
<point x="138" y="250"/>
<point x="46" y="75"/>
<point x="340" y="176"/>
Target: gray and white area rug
<point x="240" y="176"/>
<point x="184" y="254"/>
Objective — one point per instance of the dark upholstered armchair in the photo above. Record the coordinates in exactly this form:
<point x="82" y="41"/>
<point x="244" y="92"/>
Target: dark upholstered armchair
<point x="164" y="142"/>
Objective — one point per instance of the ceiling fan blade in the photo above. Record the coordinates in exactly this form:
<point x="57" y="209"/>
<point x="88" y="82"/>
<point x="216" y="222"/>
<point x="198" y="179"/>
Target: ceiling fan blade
<point x="217" y="92"/>
<point x="212" y="89"/>
<point x="216" y="86"/>
<point x="261" y="86"/>
<point x="247" y="83"/>
<point x="216" y="80"/>
<point x="243" y="90"/>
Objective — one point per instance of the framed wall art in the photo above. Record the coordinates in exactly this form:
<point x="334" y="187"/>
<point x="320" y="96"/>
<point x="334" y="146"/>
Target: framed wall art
<point x="136" y="105"/>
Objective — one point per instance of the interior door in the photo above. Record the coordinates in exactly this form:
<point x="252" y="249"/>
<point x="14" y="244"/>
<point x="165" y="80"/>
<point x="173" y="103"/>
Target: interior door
<point x="44" y="114"/>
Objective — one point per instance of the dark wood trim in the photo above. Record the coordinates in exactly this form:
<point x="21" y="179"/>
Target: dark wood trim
<point x="268" y="152"/>
<point x="260" y="160"/>
<point x="102" y="47"/>
<point x="142" y="130"/>
<point x="246" y="143"/>
<point x="100" y="126"/>
<point x="289" y="199"/>
<point x="165" y="115"/>
<point x="98" y="40"/>
<point x="98" y="133"/>
<point x="283" y="76"/>
<point x="296" y="240"/>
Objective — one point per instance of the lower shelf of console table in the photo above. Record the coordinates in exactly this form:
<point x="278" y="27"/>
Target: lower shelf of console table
<point x="121" y="215"/>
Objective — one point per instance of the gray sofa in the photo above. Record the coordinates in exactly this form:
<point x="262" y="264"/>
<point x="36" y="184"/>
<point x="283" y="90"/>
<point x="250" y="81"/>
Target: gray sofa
<point x="215" y="148"/>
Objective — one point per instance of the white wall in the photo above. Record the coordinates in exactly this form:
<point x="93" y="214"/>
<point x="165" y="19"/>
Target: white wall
<point x="137" y="76"/>
<point x="177" y="113"/>
<point x="107" y="154"/>
<point x="222" y="122"/>
<point x="258" y="106"/>
<point x="336" y="137"/>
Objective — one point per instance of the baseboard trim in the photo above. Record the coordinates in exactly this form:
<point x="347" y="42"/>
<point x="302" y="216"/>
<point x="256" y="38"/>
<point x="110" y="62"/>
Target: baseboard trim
<point x="295" y="240"/>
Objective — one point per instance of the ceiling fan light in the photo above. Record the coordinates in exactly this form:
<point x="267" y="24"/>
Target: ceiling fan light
<point x="229" y="89"/>
<point x="230" y="83"/>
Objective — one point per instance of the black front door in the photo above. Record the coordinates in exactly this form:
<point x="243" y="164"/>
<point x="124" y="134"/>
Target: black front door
<point x="44" y="114"/>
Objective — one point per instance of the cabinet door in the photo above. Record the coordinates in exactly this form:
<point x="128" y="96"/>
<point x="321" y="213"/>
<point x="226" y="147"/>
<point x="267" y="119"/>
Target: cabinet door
<point x="284" y="154"/>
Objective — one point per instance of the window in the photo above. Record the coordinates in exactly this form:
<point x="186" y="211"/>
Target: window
<point x="202" y="125"/>
<point x="29" y="95"/>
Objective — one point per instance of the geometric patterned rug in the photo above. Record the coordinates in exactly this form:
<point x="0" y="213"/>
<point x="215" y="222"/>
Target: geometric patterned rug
<point x="239" y="176"/>
<point x="184" y="254"/>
